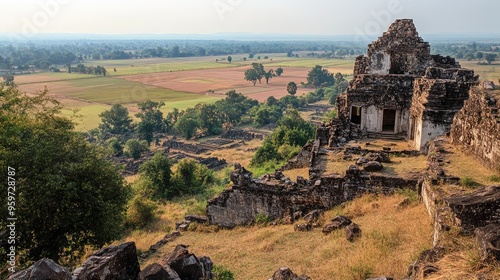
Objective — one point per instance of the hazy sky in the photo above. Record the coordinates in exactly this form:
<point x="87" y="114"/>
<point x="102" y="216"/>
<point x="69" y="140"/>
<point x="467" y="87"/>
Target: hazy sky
<point x="303" y="17"/>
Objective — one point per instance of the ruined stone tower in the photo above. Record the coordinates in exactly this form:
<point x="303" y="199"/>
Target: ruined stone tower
<point x="400" y="89"/>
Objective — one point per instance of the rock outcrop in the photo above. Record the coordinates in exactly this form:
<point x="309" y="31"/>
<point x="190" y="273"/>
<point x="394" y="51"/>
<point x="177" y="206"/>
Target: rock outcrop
<point x="44" y="269"/>
<point x="158" y="272"/>
<point x="187" y="265"/>
<point x="284" y="273"/>
<point x="488" y="238"/>
<point x="110" y="263"/>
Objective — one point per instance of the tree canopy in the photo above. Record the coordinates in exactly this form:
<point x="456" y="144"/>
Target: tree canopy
<point x="319" y="77"/>
<point x="115" y="120"/>
<point x="67" y="194"/>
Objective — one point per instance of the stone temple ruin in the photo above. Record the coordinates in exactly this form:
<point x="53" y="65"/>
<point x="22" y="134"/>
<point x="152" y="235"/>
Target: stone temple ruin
<point x="400" y="89"/>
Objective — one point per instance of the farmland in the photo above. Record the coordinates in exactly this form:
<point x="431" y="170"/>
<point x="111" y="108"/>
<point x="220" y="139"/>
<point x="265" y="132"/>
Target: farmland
<point x="179" y="82"/>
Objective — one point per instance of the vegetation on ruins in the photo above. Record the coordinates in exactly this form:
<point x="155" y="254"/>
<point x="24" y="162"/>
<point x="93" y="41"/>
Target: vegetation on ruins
<point x="68" y="195"/>
<point x="286" y="140"/>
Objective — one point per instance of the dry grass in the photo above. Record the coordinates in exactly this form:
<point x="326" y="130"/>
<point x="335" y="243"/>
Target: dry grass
<point x="293" y="173"/>
<point x="463" y="261"/>
<point x="403" y="166"/>
<point x="241" y="154"/>
<point x="463" y="165"/>
<point x="392" y="238"/>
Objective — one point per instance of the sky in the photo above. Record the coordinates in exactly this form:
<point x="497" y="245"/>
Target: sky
<point x="299" y="17"/>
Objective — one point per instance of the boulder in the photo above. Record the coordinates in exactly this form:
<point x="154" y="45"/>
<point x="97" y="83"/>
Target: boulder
<point x="352" y="232"/>
<point x="44" y="269"/>
<point x="302" y="227"/>
<point x="206" y="268"/>
<point x="313" y="216"/>
<point x="110" y="263"/>
<point x="362" y="161"/>
<point x="186" y="265"/>
<point x="488" y="238"/>
<point x="337" y="223"/>
<point x="373" y="166"/>
<point x="284" y="273"/>
<point x="380" y="157"/>
<point x="158" y="272"/>
<point x="424" y="266"/>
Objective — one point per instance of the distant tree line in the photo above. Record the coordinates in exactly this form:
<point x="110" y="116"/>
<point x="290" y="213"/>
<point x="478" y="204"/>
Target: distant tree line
<point x="47" y="53"/>
<point x="487" y="52"/>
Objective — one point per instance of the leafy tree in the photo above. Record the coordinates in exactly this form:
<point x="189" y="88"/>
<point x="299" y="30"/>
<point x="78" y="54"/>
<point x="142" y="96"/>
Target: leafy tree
<point x="279" y="71"/>
<point x="234" y="106"/>
<point x="68" y="195"/>
<point x="264" y="153"/>
<point x="490" y="57"/>
<point x="211" y="119"/>
<point x="115" y="146"/>
<point x="134" y="148"/>
<point x="151" y="119"/>
<point x="157" y="172"/>
<point x="251" y="55"/>
<point x="115" y="120"/>
<point x="229" y="58"/>
<point x="252" y="75"/>
<point x="319" y="77"/>
<point x="8" y="79"/>
<point x="259" y="68"/>
<point x="479" y="55"/>
<point x="191" y="177"/>
<point x="291" y="88"/>
<point x="187" y="125"/>
<point x="269" y="75"/>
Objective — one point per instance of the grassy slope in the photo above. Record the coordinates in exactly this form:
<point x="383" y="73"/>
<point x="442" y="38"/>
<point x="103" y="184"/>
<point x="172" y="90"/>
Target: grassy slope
<point x="392" y="238"/>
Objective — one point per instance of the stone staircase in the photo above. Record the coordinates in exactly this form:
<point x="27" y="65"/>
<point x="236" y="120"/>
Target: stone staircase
<point x="386" y="136"/>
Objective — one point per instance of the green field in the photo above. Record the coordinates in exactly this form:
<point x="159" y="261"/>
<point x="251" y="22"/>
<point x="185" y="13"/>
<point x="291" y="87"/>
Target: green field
<point x="157" y="65"/>
<point x="110" y="91"/>
<point x="341" y="65"/>
<point x="91" y="94"/>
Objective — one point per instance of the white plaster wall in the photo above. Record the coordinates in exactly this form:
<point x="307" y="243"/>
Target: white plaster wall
<point x="428" y="132"/>
<point x="370" y="118"/>
<point x="404" y="121"/>
<point x="381" y="67"/>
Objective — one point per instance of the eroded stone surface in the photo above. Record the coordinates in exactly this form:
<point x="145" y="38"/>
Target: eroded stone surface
<point x="43" y="269"/>
<point x="488" y="238"/>
<point x="110" y="263"/>
<point x="284" y="273"/>
<point x="477" y="209"/>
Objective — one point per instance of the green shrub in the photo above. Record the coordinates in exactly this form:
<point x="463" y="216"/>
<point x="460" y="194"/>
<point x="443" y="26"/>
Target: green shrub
<point x="262" y="219"/>
<point x="221" y="273"/>
<point x="493" y="178"/>
<point x="134" y="148"/>
<point x="140" y="212"/>
<point x="467" y="182"/>
<point x="287" y="151"/>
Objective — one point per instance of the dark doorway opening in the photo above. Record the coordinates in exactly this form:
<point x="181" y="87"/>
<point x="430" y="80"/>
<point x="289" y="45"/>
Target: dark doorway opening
<point x="389" y="120"/>
<point x="356" y="115"/>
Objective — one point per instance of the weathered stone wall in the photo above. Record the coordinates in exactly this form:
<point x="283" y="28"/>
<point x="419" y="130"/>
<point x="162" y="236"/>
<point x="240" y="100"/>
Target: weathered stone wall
<point x="476" y="127"/>
<point x="437" y="97"/>
<point x="278" y="197"/>
<point x="400" y="50"/>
